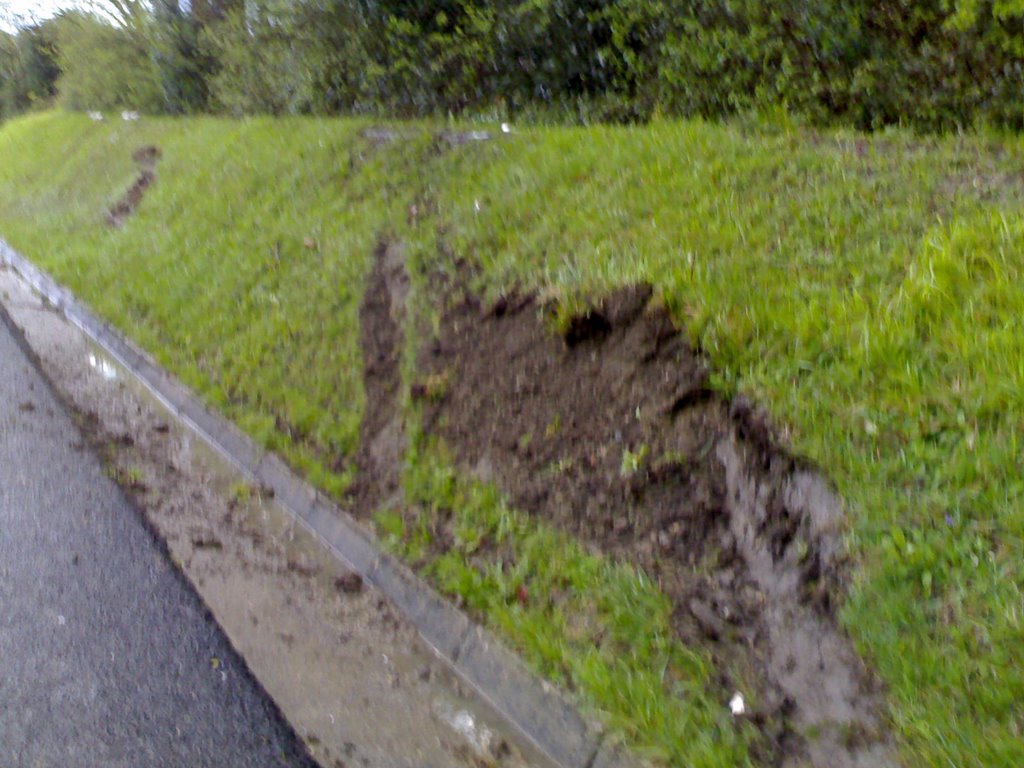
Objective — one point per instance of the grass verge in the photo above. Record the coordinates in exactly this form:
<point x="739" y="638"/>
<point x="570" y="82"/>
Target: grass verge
<point x="868" y="290"/>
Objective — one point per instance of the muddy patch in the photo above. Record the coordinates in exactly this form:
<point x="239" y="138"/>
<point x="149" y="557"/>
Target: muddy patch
<point x="146" y="158"/>
<point x="382" y="435"/>
<point x="611" y="432"/>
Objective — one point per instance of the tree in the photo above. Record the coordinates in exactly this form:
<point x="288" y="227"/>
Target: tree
<point x="104" y="66"/>
<point x="184" y="65"/>
<point x="208" y="12"/>
<point x="32" y="68"/>
<point x="287" y="57"/>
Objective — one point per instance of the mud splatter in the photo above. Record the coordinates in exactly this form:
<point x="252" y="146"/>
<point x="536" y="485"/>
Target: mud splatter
<point x="146" y="158"/>
<point x="612" y="433"/>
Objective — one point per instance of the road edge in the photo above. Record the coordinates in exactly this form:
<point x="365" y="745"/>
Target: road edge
<point x="532" y="707"/>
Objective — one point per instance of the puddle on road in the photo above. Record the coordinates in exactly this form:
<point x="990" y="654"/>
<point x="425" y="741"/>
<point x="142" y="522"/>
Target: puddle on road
<point x="105" y="368"/>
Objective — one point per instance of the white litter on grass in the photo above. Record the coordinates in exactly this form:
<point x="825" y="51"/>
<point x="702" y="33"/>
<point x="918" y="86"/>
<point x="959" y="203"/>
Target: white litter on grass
<point x="476" y="206"/>
<point x="96" y="117"/>
<point x="736" y="704"/>
<point x="129" y="117"/>
<point x="106" y="369"/>
<point x="506" y="128"/>
<point x="479" y="736"/>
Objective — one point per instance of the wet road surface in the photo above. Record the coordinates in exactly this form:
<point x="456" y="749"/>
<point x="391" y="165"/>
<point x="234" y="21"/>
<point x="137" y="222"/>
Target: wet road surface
<point x="107" y="656"/>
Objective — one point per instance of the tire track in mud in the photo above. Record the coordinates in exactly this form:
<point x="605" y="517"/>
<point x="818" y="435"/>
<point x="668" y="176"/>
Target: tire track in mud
<point x="612" y="433"/>
<point x="381" y="434"/>
<point x="146" y="158"/>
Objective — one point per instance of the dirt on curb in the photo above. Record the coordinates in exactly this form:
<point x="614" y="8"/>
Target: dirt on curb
<point x="612" y="433"/>
<point x="146" y="158"/>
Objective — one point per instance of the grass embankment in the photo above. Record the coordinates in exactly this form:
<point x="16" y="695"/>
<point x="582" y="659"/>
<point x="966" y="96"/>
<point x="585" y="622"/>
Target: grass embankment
<point x="867" y="289"/>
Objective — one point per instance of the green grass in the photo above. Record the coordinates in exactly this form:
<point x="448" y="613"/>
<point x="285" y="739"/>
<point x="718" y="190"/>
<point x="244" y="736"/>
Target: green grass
<point x="867" y="289"/>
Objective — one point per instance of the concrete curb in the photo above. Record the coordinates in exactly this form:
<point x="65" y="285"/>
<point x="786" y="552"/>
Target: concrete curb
<point x="538" y="712"/>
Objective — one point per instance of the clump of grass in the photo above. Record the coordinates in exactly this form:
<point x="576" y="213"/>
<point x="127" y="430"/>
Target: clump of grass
<point x="433" y="387"/>
<point x="240" y="492"/>
<point x="633" y="461"/>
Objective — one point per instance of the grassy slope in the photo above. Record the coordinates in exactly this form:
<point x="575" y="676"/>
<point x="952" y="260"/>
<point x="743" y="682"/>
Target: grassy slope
<point x="867" y="290"/>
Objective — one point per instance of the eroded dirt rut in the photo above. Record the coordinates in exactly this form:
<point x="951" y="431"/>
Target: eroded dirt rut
<point x="612" y="433"/>
<point x="381" y="434"/>
<point x="146" y="159"/>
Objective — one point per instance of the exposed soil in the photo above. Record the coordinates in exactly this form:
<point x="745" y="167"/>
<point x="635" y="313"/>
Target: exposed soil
<point x="146" y="158"/>
<point x="381" y="434"/>
<point x="612" y="433"/>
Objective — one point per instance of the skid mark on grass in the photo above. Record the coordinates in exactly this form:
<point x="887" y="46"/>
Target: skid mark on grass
<point x="381" y="434"/>
<point x="146" y="158"/>
<point x="612" y="433"/>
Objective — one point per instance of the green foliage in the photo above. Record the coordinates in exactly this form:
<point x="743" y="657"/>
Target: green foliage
<point x="718" y="57"/>
<point x="104" y="67"/>
<point x="868" y="63"/>
<point x="253" y="73"/>
<point x="933" y="64"/>
<point x="184" y="65"/>
<point x="8" y="70"/>
<point x="28" y="68"/>
<point x="277" y="57"/>
<point x="342" y="56"/>
<point x="438" y="59"/>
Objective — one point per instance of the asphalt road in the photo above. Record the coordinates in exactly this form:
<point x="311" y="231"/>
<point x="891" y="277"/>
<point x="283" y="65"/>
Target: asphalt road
<point x="107" y="656"/>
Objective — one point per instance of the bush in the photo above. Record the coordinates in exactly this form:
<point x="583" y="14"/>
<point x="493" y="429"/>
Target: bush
<point x="869" y="63"/>
<point x="184" y="65"/>
<point x="104" y="67"/>
<point x="28" y="68"/>
<point x="935" y="64"/>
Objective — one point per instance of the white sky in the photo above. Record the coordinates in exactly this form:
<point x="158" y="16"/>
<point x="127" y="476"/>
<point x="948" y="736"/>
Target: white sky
<point x="33" y="9"/>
